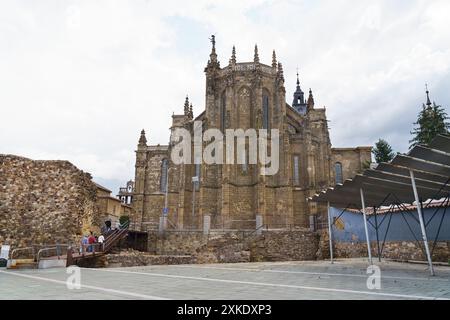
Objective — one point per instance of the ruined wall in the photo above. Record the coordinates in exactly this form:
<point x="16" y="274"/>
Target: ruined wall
<point x="285" y="246"/>
<point x="43" y="202"/>
<point x="176" y="242"/>
<point x="132" y="258"/>
<point x="397" y="250"/>
<point x="230" y="247"/>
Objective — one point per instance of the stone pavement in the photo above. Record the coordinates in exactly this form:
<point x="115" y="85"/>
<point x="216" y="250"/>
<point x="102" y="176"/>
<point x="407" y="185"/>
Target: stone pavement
<point x="346" y="279"/>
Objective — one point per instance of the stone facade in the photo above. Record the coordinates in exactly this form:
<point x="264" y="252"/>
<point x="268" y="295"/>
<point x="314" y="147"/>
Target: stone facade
<point x="44" y="202"/>
<point x="243" y="96"/>
<point x="111" y="208"/>
<point x="352" y="160"/>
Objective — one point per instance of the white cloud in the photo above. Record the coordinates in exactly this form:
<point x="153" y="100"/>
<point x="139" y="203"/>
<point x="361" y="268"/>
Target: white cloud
<point x="80" y="79"/>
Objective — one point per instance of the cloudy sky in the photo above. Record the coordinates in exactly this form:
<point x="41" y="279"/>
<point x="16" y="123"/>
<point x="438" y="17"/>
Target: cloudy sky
<point x="80" y="79"/>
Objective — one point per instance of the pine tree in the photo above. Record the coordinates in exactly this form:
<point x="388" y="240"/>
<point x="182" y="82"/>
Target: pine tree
<point x="383" y="151"/>
<point x="431" y="121"/>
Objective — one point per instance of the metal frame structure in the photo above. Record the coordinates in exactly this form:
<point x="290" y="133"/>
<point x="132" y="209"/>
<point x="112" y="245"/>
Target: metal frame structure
<point x="423" y="173"/>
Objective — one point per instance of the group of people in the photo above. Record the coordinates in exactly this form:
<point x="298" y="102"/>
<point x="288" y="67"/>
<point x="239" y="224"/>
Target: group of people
<point x="89" y="241"/>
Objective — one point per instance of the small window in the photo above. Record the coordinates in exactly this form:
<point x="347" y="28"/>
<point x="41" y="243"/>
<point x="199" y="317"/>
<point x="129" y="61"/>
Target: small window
<point x="338" y="173"/>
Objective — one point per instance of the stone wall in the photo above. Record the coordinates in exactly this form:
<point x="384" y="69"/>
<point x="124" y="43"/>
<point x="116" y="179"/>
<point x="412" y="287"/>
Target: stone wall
<point x="43" y="202"/>
<point x="285" y="246"/>
<point x="237" y="246"/>
<point x="224" y="248"/>
<point x="398" y="250"/>
<point x="176" y="242"/>
<point x="136" y="258"/>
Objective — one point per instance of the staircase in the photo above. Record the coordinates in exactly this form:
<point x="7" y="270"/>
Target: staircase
<point x="74" y="257"/>
<point x="27" y="258"/>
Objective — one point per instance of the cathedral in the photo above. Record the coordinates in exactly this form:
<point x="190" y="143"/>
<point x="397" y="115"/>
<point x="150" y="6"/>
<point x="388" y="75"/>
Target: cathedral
<point x="244" y="95"/>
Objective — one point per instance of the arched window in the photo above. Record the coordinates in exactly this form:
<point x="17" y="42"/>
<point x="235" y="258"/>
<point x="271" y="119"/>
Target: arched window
<point x="164" y="169"/>
<point x="296" y="171"/>
<point x="265" y="111"/>
<point x="223" y="112"/>
<point x="338" y="173"/>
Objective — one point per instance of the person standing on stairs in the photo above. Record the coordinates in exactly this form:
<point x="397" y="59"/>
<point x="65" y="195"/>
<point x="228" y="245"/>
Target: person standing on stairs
<point x="101" y="240"/>
<point x="91" y="241"/>
<point x="84" y="243"/>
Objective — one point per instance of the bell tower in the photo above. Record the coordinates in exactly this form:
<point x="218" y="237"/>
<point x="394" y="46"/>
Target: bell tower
<point x="299" y="99"/>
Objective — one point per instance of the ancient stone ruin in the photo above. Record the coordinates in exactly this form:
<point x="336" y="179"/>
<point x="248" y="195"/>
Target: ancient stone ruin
<point x="44" y="202"/>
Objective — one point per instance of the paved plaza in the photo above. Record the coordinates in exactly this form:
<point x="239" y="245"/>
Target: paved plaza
<point x="346" y="279"/>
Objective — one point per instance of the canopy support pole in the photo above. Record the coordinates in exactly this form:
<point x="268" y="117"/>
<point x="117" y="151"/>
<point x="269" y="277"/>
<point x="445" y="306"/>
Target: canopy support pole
<point x="365" y="225"/>
<point x="378" y="238"/>
<point x="330" y="234"/>
<point x="422" y="225"/>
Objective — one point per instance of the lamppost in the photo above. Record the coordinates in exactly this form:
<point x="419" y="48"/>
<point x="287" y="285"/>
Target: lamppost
<point x="166" y="199"/>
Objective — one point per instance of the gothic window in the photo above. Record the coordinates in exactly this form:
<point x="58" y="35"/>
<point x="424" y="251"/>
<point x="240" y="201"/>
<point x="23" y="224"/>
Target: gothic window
<point x="244" y="108"/>
<point x="265" y="109"/>
<point x="338" y="173"/>
<point x="164" y="169"/>
<point x="223" y="112"/>
<point x="296" y="171"/>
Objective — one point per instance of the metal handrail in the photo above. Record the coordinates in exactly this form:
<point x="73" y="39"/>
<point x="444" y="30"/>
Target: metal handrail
<point x="21" y="249"/>
<point x="256" y="230"/>
<point x="56" y="247"/>
<point x="117" y="234"/>
<point x="38" y="256"/>
<point x="84" y="248"/>
<point x="172" y="224"/>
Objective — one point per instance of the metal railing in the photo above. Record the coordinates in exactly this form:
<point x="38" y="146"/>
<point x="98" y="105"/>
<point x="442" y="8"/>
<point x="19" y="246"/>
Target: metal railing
<point x="115" y="236"/>
<point x="57" y="248"/>
<point x="14" y="251"/>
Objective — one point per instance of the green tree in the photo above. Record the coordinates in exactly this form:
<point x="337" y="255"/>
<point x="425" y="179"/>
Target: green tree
<point x="383" y="151"/>
<point x="431" y="121"/>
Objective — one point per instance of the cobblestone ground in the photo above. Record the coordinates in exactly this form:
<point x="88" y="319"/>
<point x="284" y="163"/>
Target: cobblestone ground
<point x="346" y="279"/>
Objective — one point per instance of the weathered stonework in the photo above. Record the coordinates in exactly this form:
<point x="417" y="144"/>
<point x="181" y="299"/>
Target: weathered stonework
<point x="231" y="247"/>
<point x="136" y="258"/>
<point x="244" y="96"/>
<point x="285" y="246"/>
<point x="398" y="250"/>
<point x="353" y="160"/>
<point x="224" y="248"/>
<point x="44" y="202"/>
